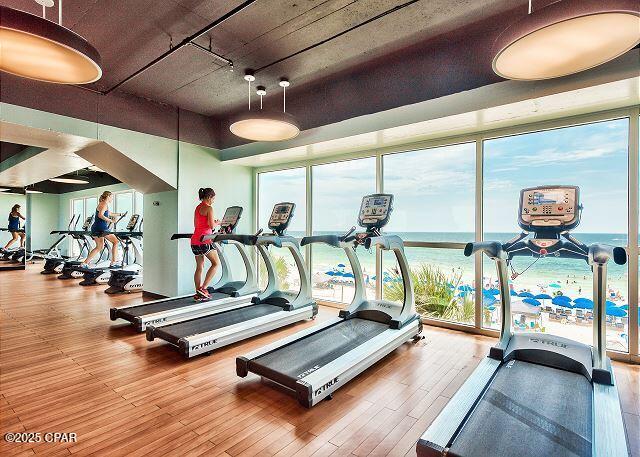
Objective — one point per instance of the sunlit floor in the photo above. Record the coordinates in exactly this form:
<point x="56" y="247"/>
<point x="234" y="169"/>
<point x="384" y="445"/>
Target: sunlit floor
<point x="67" y="368"/>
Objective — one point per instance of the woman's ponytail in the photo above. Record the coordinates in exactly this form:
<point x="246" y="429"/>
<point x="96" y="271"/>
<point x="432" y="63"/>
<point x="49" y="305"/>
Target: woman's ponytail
<point x="205" y="193"/>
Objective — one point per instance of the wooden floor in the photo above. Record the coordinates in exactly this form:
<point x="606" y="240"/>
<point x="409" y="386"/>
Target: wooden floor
<point x="65" y="367"/>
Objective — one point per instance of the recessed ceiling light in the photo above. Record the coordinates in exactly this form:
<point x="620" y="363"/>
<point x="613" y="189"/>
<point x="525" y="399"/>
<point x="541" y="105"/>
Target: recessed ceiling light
<point x="70" y="180"/>
<point x="36" y="48"/>
<point x="33" y="191"/>
<point x="566" y="37"/>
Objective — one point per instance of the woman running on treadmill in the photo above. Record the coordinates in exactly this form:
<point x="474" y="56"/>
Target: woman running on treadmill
<point x="14" y="227"/>
<point x="100" y="230"/>
<point x="204" y="222"/>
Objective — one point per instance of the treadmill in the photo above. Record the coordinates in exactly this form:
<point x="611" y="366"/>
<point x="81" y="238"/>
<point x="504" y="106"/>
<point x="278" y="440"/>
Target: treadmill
<point x="315" y="362"/>
<point x="225" y="294"/>
<point x="271" y="309"/>
<point x="54" y="265"/>
<point x="538" y="394"/>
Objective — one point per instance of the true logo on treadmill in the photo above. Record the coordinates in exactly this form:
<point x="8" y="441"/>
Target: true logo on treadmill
<point x="195" y="347"/>
<point x="548" y="342"/>
<point x="306" y="372"/>
<point x="157" y="321"/>
<point x="322" y="389"/>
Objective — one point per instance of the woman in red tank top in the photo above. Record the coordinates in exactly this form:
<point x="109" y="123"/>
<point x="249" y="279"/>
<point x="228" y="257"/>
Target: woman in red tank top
<point x="203" y="224"/>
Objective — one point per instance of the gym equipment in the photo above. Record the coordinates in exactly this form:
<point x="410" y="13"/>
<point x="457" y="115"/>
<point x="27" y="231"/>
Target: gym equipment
<point x="315" y="362"/>
<point x="72" y="269"/>
<point x="101" y="275"/>
<point x="271" y="309"/>
<point x="129" y="278"/>
<point x="13" y="254"/>
<point x="224" y="294"/>
<point x="538" y="394"/>
<point x="53" y="251"/>
<point x="81" y="237"/>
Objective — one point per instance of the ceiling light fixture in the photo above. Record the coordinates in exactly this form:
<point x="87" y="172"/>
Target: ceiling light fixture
<point x="36" y="48"/>
<point x="265" y="125"/>
<point x="566" y="37"/>
<point x="3" y="189"/>
<point x="32" y="191"/>
<point x="70" y="180"/>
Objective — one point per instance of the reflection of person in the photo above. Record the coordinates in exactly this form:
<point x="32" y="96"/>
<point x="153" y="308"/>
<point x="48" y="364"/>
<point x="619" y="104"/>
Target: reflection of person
<point x="14" y="227"/>
<point x="203" y="224"/>
<point x="100" y="230"/>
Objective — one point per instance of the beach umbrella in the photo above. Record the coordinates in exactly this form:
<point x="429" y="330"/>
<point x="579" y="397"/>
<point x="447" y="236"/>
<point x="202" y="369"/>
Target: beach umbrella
<point x="493" y="291"/>
<point x="543" y="297"/>
<point x="583" y="300"/>
<point x="616" y="312"/>
<point x="526" y="294"/>
<point x="488" y="300"/>
<point x="347" y="275"/>
<point x="332" y="273"/>
<point x="491" y="308"/>
<point x="583" y="303"/>
<point x="560" y="301"/>
<point x="562" y="298"/>
<point x="513" y="293"/>
<point x="625" y="307"/>
<point x="555" y="285"/>
<point x="610" y="304"/>
<point x="531" y="301"/>
<point x="465" y="288"/>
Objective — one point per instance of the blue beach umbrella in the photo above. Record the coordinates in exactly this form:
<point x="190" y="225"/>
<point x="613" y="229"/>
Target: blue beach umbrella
<point x="347" y="275"/>
<point x="526" y="294"/>
<point x="625" y="307"/>
<point x="543" y="297"/>
<point x="465" y="288"/>
<point x="341" y="265"/>
<point x="488" y="300"/>
<point x="493" y="291"/>
<point x="583" y="300"/>
<point x="583" y="303"/>
<point x="531" y="301"/>
<point x="616" y="312"/>
<point x="562" y="301"/>
<point x="513" y="293"/>
<point x="555" y="285"/>
<point x="610" y="304"/>
<point x="332" y="273"/>
<point x="491" y="308"/>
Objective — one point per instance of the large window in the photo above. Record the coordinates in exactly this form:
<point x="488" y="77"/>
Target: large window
<point x="434" y="201"/>
<point x="593" y="157"/>
<point x="437" y="192"/>
<point x="338" y="189"/>
<point x="277" y="187"/>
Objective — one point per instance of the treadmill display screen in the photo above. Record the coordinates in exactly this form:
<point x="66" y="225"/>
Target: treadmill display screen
<point x="231" y="217"/>
<point x="552" y="206"/>
<point x="281" y="215"/>
<point x="375" y="210"/>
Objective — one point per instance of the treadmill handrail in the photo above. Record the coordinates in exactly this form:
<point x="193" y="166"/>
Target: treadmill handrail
<point x="248" y="240"/>
<point x="331" y="240"/>
<point x="386" y="242"/>
<point x="177" y="236"/>
<point x="602" y="253"/>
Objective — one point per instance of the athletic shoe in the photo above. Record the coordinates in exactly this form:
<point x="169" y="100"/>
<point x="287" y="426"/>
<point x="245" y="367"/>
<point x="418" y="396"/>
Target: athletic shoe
<point x="203" y="293"/>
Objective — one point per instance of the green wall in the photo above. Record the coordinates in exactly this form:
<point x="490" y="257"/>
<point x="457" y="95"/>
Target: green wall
<point x="6" y="203"/>
<point x="42" y="217"/>
<point x="169" y="264"/>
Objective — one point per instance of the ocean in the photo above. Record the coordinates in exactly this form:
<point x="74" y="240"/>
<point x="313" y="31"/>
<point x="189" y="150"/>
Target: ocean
<point x="571" y="276"/>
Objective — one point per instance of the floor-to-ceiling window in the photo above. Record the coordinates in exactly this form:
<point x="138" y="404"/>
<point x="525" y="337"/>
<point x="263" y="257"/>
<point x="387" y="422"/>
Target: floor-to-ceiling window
<point x="434" y="201"/>
<point x="446" y="196"/>
<point x="277" y="187"/>
<point x="338" y="189"/>
<point x="595" y="158"/>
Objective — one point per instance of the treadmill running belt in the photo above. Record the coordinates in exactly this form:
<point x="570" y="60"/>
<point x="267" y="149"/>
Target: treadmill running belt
<point x="530" y="410"/>
<point x="294" y="361"/>
<point x="167" y="305"/>
<point x="172" y="333"/>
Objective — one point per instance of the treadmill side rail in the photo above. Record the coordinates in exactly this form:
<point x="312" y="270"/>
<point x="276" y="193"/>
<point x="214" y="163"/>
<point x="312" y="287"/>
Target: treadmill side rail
<point x="608" y="428"/>
<point x="209" y="341"/>
<point x="318" y="385"/>
<point x="442" y="430"/>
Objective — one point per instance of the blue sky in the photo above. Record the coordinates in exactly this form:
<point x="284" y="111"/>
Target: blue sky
<point x="434" y="189"/>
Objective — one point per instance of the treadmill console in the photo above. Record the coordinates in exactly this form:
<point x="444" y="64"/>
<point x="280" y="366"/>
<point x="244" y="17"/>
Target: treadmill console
<point x="87" y="223"/>
<point x="375" y="211"/>
<point x="133" y="222"/>
<point x="549" y="208"/>
<point x="230" y="219"/>
<point x="281" y="217"/>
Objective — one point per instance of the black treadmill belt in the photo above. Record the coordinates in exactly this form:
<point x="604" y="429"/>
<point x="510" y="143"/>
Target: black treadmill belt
<point x="167" y="305"/>
<point x="174" y="332"/>
<point x="294" y="361"/>
<point x="530" y="410"/>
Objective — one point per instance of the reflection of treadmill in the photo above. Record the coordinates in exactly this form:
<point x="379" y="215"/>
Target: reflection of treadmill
<point x="270" y="310"/>
<point x="315" y="362"/>
<point x="225" y="293"/>
<point x="538" y="394"/>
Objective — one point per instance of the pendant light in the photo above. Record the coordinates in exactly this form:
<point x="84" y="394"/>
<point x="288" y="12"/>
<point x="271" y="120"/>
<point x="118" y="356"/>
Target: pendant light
<point x="265" y="125"/>
<point x="36" y="48"/>
<point x="69" y="180"/>
<point x="566" y="37"/>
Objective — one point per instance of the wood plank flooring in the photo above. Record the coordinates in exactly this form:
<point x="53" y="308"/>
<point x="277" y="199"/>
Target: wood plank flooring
<point x="65" y="367"/>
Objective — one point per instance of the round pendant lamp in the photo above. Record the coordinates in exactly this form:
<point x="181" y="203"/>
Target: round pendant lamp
<point x="566" y="37"/>
<point x="265" y="125"/>
<point x="36" y="48"/>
